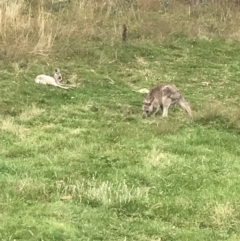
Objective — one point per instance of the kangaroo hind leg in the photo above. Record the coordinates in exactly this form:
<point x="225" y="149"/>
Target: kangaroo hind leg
<point x="166" y="102"/>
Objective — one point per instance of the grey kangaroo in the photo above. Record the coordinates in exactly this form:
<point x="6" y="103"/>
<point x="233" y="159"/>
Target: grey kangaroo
<point x="163" y="95"/>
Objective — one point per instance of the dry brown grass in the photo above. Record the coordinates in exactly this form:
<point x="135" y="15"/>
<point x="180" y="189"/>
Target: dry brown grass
<point x="223" y="214"/>
<point x="219" y="114"/>
<point x="157" y="158"/>
<point x="41" y="27"/>
<point x="23" y="32"/>
<point x="30" y="113"/>
<point x="10" y="126"/>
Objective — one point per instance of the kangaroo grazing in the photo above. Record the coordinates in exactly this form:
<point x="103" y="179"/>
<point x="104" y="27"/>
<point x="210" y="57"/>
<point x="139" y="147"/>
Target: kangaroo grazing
<point x="163" y="95"/>
<point x="49" y="80"/>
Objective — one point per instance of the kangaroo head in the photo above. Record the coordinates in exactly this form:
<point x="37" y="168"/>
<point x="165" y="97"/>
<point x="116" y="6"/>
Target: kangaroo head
<point x="57" y="75"/>
<point x="147" y="107"/>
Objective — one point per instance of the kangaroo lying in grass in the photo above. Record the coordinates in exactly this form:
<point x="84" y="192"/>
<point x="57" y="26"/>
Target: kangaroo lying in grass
<point x="163" y="95"/>
<point x="49" y="80"/>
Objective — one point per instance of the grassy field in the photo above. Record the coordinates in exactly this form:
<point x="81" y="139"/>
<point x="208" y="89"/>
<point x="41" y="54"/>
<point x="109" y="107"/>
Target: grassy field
<point x="124" y="177"/>
<point x="83" y="164"/>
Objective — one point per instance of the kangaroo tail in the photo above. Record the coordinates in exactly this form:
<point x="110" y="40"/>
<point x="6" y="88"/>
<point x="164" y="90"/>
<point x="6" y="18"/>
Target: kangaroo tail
<point x="63" y="87"/>
<point x="184" y="104"/>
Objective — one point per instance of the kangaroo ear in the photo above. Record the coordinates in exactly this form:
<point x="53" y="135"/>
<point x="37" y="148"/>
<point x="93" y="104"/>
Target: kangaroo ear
<point x="57" y="70"/>
<point x="151" y="100"/>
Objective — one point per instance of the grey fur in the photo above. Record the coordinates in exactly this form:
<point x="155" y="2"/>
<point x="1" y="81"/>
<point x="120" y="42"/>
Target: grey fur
<point x="163" y="95"/>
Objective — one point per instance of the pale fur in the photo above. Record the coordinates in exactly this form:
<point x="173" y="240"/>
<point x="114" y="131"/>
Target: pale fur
<point x="164" y="95"/>
<point x="49" y="80"/>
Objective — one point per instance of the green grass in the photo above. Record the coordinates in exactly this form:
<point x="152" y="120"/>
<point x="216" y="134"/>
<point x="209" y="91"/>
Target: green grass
<point x="129" y="178"/>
